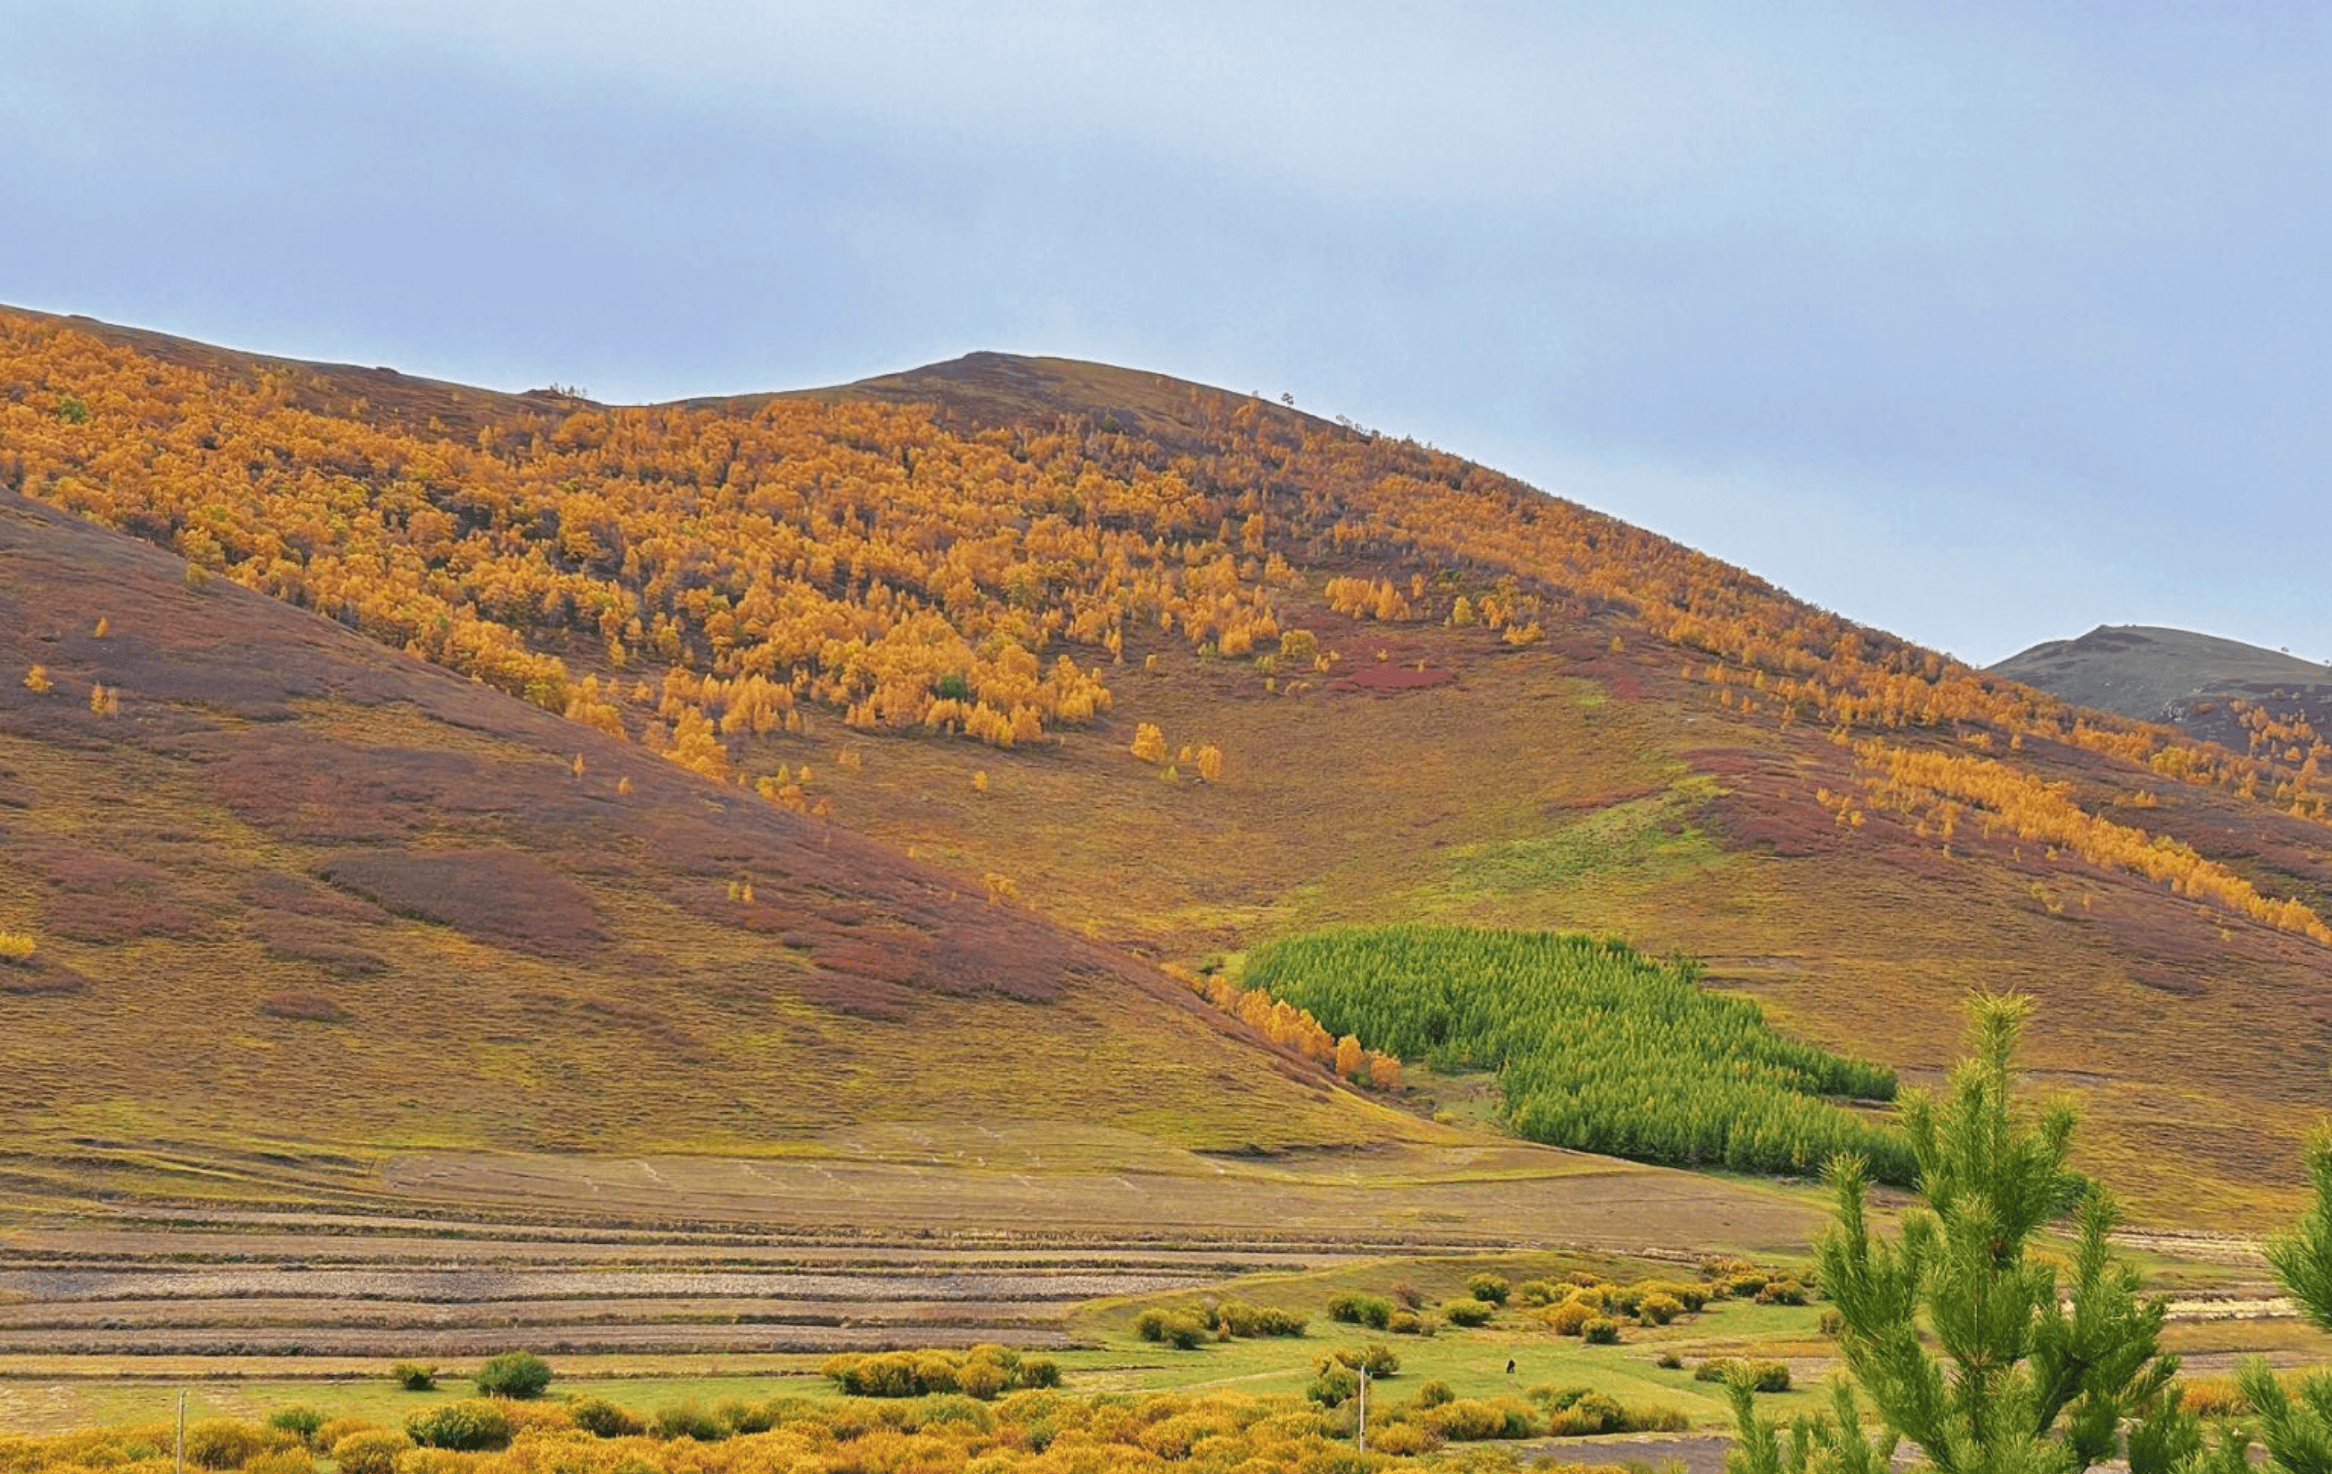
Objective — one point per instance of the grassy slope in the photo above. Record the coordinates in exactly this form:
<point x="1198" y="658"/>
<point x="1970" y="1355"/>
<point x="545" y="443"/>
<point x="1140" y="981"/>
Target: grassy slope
<point x="1565" y="786"/>
<point x="596" y="986"/>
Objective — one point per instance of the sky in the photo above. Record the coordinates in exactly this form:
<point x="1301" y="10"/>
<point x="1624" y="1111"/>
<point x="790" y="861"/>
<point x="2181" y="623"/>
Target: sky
<point x="1982" y="323"/>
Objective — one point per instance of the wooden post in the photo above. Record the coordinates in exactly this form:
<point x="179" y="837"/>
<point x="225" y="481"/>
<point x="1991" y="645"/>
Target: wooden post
<point x="181" y="1457"/>
<point x="1362" y="1438"/>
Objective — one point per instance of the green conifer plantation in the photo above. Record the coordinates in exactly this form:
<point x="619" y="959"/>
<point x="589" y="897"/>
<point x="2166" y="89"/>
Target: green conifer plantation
<point x="1597" y="1047"/>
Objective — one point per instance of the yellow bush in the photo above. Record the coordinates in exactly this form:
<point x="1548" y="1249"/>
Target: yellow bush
<point x="1403" y="1440"/>
<point x="16" y="946"/>
<point x="1570" y="1317"/>
<point x="2214" y="1397"/>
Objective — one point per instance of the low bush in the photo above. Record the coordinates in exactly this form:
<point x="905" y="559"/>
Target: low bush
<point x="2214" y="1397"/>
<point x="1435" y="1393"/>
<point x="328" y="1437"/>
<point x="1670" y="1362"/>
<point x="1409" y="1323"/>
<point x="922" y="1373"/>
<point x="601" y="1418"/>
<point x="1571" y="1317"/>
<point x="222" y="1443"/>
<point x="514" y="1374"/>
<point x="1535" y="1293"/>
<point x="300" y="1422"/>
<point x="1251" y="1321"/>
<point x="1038" y="1371"/>
<point x="1353" y="1309"/>
<point x="1469" y="1313"/>
<point x="1333" y="1385"/>
<point x="1376" y="1358"/>
<point x="1591" y="1413"/>
<point x="1176" y="1328"/>
<point x="1600" y="1331"/>
<point x="1403" y="1440"/>
<point x="1764" y="1376"/>
<point x="1659" y="1309"/>
<point x="373" y="1451"/>
<point x="1691" y="1294"/>
<point x="1473" y="1419"/>
<point x="469" y="1425"/>
<point x="688" y="1420"/>
<point x="1783" y="1291"/>
<point x="1492" y="1288"/>
<point x="414" y="1376"/>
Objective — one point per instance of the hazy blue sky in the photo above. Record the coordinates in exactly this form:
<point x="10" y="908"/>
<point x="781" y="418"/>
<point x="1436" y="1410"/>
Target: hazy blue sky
<point x="1983" y="323"/>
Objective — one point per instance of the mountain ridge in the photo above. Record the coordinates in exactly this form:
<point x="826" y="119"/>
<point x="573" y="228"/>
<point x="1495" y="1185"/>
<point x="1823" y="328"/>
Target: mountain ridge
<point x="2204" y="684"/>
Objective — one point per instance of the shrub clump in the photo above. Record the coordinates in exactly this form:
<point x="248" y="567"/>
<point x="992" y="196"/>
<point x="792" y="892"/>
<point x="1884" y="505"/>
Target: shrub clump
<point x="1659" y="1309"/>
<point x="514" y="1374"/>
<point x="222" y="1443"/>
<point x="1336" y="1376"/>
<point x="1490" y="1288"/>
<point x="1764" y="1376"/>
<point x="601" y="1418"/>
<point x="1468" y="1313"/>
<point x="1353" y="1309"/>
<point x="467" y="1426"/>
<point x="1179" y="1329"/>
<point x="300" y="1422"/>
<point x="1471" y="1419"/>
<point x="372" y="1451"/>
<point x="1600" y="1331"/>
<point x="1782" y="1291"/>
<point x="414" y="1376"/>
<point x="1238" y="1318"/>
<point x="983" y="1372"/>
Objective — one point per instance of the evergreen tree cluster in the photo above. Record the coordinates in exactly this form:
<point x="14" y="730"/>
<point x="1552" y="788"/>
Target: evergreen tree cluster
<point x="1596" y="1046"/>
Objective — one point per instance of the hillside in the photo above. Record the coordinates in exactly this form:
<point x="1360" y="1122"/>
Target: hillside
<point x="945" y="610"/>
<point x="2222" y="691"/>
<point x="296" y="893"/>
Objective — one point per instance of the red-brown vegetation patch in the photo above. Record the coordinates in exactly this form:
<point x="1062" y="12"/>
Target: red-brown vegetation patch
<point x="305" y="1008"/>
<point x="325" y="944"/>
<point x="299" y="785"/>
<point x="274" y="890"/>
<point x="107" y="898"/>
<point x="1765" y="804"/>
<point x="39" y="976"/>
<point x="500" y="897"/>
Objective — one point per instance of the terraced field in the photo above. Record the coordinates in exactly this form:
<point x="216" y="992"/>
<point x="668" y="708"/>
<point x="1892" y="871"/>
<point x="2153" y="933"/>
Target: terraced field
<point x="900" y="1244"/>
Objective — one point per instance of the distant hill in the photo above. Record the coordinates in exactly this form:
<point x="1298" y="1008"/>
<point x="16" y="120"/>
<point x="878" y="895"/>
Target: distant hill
<point x="2221" y="690"/>
<point x="1182" y="670"/>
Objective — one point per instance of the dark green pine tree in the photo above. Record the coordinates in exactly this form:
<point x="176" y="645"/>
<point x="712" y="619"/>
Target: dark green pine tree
<point x="1963" y="1341"/>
